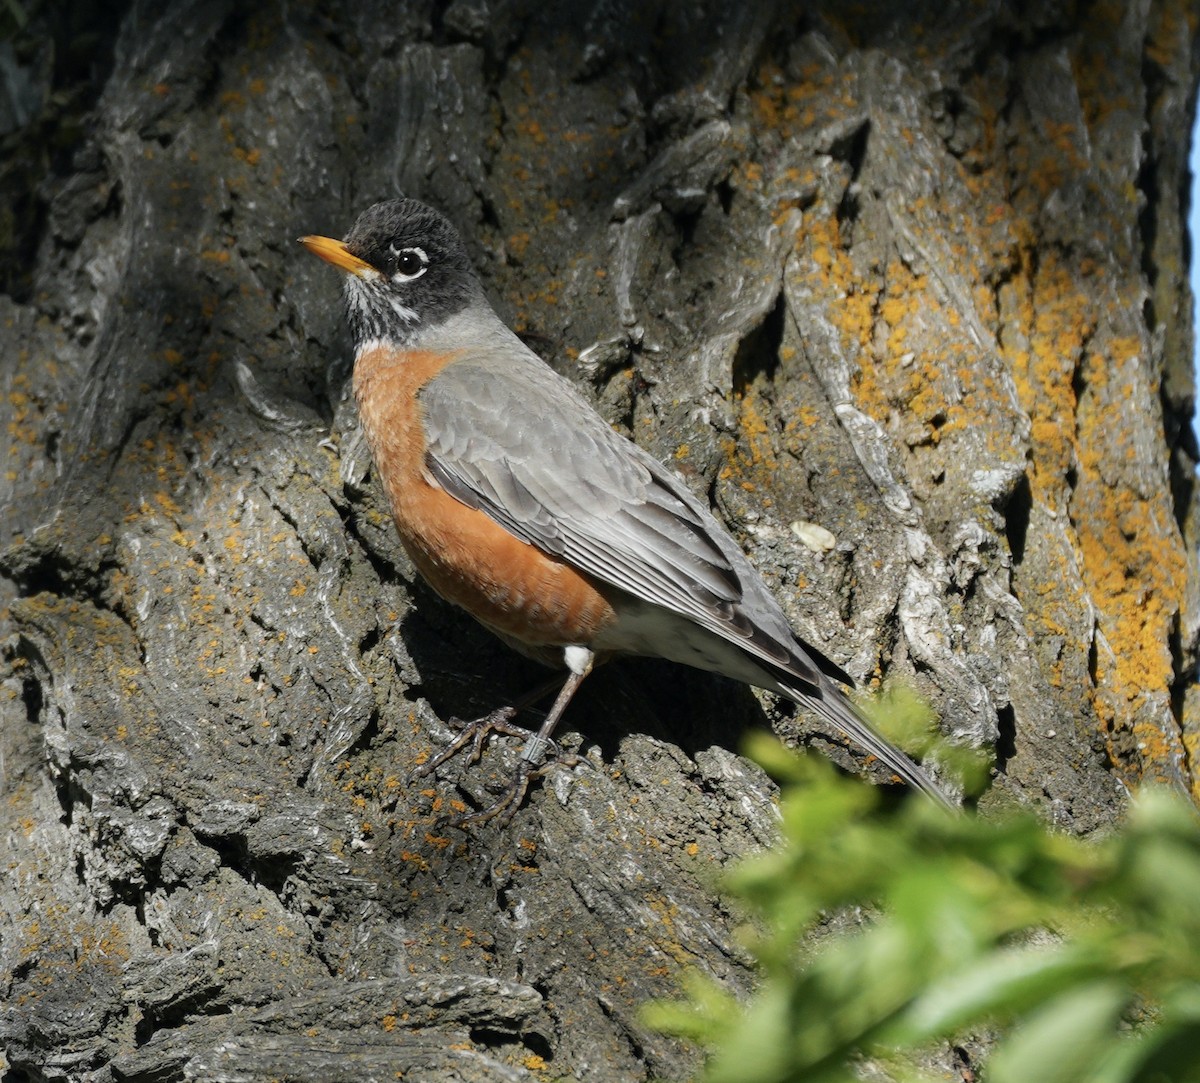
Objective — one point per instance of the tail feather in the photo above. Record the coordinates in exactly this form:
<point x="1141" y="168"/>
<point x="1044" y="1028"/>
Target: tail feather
<point x="829" y="703"/>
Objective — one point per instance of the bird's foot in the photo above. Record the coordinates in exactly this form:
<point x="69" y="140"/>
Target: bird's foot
<point x="505" y="807"/>
<point x="527" y="770"/>
<point x="530" y="766"/>
<point x="474" y="733"/>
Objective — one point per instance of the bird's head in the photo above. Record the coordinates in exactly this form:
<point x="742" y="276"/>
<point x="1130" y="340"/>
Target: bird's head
<point x="407" y="271"/>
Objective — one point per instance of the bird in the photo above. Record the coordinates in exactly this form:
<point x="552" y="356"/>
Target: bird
<point x="515" y="500"/>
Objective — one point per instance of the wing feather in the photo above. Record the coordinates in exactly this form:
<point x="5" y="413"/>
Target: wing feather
<point x="512" y="438"/>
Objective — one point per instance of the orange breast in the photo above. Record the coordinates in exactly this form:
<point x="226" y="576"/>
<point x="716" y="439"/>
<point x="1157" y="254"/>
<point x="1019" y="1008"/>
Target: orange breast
<point x="463" y="554"/>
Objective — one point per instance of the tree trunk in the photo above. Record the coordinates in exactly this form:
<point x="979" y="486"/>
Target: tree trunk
<point x="913" y="275"/>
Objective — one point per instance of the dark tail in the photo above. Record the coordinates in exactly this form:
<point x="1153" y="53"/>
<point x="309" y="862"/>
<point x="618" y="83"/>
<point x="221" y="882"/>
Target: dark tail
<point x="828" y="702"/>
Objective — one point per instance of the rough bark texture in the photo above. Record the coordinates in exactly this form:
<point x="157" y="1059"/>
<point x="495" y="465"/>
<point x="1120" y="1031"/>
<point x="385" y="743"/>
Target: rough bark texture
<point x="915" y="275"/>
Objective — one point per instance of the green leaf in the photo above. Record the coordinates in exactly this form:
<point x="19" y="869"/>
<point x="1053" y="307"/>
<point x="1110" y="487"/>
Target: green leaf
<point x="1003" y="984"/>
<point x="881" y="929"/>
<point x="1065" y="1041"/>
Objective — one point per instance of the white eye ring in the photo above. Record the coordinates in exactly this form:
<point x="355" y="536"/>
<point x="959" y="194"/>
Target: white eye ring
<point x="400" y="253"/>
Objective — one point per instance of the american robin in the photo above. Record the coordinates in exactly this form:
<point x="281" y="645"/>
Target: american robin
<point x="516" y="501"/>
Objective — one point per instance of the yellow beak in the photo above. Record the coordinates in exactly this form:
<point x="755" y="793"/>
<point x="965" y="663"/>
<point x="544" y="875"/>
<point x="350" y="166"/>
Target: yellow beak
<point x="338" y="254"/>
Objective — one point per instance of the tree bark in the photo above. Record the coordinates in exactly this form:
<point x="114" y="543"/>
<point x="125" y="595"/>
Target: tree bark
<point x="914" y="275"/>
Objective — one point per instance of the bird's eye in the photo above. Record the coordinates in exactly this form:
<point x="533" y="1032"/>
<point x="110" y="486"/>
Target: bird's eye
<point x="410" y="263"/>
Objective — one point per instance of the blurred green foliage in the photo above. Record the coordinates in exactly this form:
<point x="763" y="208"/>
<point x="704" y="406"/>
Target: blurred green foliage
<point x="1085" y="955"/>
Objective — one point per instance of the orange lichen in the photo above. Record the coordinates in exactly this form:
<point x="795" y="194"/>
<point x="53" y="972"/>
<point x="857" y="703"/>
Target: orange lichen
<point x="1126" y="544"/>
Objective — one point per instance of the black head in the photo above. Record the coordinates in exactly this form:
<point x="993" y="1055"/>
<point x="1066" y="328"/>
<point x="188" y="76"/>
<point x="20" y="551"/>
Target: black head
<point x="407" y="271"/>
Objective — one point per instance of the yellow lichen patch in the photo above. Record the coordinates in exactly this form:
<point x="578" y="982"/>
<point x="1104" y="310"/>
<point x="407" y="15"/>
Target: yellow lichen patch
<point x="167" y="503"/>
<point x="789" y="106"/>
<point x="852" y="307"/>
<point x="1133" y="562"/>
<point x="1127" y="548"/>
<point x="755" y="451"/>
<point x="56" y="945"/>
<point x="1056" y="326"/>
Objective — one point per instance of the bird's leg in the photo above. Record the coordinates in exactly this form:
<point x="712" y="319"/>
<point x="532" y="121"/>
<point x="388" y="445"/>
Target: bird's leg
<point x="529" y="766"/>
<point x="535" y="747"/>
<point x="476" y="732"/>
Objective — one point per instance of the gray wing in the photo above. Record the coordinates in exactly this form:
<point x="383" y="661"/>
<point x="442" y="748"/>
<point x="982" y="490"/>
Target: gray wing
<point x="512" y="438"/>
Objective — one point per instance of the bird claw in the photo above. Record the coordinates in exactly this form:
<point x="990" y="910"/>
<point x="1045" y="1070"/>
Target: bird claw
<point x="474" y="733"/>
<point x="513" y="795"/>
<point x="504" y="809"/>
<point x="538" y="755"/>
